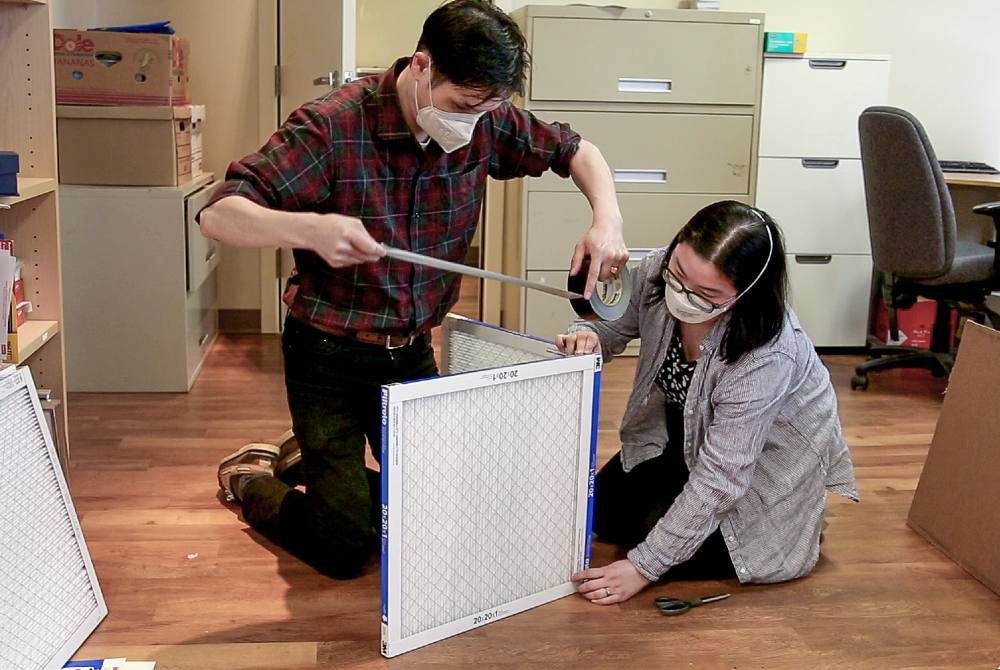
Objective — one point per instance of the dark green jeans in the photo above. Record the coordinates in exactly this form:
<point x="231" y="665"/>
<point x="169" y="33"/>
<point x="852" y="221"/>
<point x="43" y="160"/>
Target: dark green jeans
<point x="334" y="395"/>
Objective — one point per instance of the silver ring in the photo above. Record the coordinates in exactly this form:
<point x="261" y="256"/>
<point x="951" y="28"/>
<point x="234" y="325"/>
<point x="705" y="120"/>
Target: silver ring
<point x="607" y="592"/>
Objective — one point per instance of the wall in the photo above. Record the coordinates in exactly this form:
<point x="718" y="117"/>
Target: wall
<point x="944" y="57"/>
<point x="224" y="69"/>
<point x="74" y="13"/>
<point x="388" y="29"/>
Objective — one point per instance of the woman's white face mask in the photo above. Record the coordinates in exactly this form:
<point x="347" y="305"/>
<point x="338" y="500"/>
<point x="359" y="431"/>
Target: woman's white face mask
<point x="679" y="305"/>
<point x="451" y="130"/>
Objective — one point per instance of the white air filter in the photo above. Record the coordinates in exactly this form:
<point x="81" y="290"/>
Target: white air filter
<point x="49" y="596"/>
<point x="487" y="480"/>
<point x="468" y="345"/>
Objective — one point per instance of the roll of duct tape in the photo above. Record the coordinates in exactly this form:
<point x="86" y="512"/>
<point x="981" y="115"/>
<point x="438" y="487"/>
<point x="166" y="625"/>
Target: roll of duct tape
<point x="609" y="300"/>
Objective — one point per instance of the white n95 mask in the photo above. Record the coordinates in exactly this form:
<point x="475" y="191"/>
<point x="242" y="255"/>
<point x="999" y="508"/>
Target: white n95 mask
<point x="451" y="130"/>
<point x="679" y="305"/>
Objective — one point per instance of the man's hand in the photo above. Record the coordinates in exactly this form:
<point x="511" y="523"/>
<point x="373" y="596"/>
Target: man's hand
<point x="603" y="243"/>
<point x="605" y="247"/>
<point x="580" y="342"/>
<point x="339" y="240"/>
<point x="342" y="241"/>
<point x="611" y="584"/>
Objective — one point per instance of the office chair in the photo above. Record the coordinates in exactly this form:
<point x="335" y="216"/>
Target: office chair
<point x="914" y="242"/>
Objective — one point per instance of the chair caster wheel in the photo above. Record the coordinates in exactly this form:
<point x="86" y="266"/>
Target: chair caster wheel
<point x="859" y="382"/>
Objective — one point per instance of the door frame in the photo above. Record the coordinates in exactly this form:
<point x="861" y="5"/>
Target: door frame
<point x="267" y="123"/>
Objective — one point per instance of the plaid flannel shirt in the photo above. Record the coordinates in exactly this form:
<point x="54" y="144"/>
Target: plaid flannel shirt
<point x="352" y="153"/>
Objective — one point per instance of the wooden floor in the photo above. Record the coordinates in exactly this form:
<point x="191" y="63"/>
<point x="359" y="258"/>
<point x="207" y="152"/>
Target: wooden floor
<point x="190" y="586"/>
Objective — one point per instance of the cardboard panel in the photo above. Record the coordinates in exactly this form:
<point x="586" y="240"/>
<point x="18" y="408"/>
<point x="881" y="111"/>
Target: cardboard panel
<point x="955" y="504"/>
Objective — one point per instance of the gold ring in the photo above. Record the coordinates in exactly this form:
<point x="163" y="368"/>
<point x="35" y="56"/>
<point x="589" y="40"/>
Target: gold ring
<point x="614" y="269"/>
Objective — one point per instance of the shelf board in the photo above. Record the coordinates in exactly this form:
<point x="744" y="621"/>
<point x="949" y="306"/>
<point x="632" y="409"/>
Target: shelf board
<point x="29" y="187"/>
<point x="24" y="2"/>
<point x="31" y="336"/>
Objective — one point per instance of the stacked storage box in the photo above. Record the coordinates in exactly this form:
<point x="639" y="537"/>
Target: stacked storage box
<point x="124" y="114"/>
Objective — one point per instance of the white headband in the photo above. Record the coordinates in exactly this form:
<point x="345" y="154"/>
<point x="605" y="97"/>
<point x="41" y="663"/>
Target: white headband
<point x="770" y="250"/>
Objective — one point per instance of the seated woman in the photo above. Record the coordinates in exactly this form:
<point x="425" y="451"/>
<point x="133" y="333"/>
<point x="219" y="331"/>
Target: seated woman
<point x="731" y="436"/>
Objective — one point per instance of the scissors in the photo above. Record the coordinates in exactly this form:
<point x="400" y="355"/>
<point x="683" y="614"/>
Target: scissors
<point x="670" y="606"/>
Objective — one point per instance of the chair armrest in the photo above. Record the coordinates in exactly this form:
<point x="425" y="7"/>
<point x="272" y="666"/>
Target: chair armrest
<point x="988" y="209"/>
<point x="992" y="209"/>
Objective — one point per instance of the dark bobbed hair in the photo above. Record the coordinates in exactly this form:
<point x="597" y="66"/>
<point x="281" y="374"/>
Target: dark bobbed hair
<point x="733" y="237"/>
<point x="476" y="45"/>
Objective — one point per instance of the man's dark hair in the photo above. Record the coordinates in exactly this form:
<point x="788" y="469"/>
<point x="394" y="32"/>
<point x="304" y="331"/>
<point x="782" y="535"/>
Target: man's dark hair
<point x="734" y="237"/>
<point x="476" y="45"/>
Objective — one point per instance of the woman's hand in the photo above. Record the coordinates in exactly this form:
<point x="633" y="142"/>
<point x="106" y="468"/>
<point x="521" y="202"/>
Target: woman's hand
<point x="611" y="584"/>
<point x="580" y="342"/>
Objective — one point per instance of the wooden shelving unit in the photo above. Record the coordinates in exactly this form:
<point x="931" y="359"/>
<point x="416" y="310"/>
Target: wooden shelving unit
<point x="32" y="336"/>
<point x="31" y="219"/>
<point x="28" y="188"/>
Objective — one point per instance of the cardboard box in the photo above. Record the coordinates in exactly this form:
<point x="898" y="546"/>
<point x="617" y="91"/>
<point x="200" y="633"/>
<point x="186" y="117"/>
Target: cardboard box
<point x="125" y="146"/>
<point x="955" y="504"/>
<point x="785" y="43"/>
<point x="916" y="323"/>
<point x="197" y="125"/>
<point x="96" y="67"/>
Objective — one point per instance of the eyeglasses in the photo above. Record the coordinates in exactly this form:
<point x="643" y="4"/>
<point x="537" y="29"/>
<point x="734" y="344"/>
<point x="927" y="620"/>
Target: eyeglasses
<point x="696" y="300"/>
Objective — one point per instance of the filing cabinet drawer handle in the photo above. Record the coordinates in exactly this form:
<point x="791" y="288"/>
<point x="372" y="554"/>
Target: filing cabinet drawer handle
<point x="820" y="163"/>
<point x="640" y="85"/>
<point x="813" y="260"/>
<point x="211" y="255"/>
<point x="827" y="64"/>
<point x="641" y="176"/>
<point x="203" y="339"/>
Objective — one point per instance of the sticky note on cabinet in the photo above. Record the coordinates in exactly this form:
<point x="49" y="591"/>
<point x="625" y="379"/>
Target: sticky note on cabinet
<point x="785" y="43"/>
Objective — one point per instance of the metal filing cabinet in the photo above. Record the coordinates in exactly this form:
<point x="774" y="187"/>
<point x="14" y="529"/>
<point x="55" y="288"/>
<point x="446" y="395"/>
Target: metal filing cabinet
<point x="670" y="97"/>
<point x="809" y="179"/>
<point x="141" y="286"/>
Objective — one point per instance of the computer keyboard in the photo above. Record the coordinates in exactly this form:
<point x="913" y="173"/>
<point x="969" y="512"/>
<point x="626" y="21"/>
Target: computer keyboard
<point x="967" y="166"/>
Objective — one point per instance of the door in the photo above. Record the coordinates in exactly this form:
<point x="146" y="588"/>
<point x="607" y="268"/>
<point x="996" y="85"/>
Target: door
<point x="316" y="49"/>
<point x="316" y="44"/>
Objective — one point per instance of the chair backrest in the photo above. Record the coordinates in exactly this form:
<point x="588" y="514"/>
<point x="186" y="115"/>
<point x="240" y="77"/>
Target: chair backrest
<point x="910" y="216"/>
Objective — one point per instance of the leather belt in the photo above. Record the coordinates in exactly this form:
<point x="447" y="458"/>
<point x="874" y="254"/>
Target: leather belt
<point x="381" y="339"/>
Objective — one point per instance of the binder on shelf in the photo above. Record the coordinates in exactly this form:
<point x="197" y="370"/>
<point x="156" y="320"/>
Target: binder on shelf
<point x="8" y="317"/>
<point x="19" y="306"/>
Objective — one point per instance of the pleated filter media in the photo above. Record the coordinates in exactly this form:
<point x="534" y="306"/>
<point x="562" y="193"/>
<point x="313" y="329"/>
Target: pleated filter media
<point x="49" y="595"/>
<point x="487" y="480"/>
